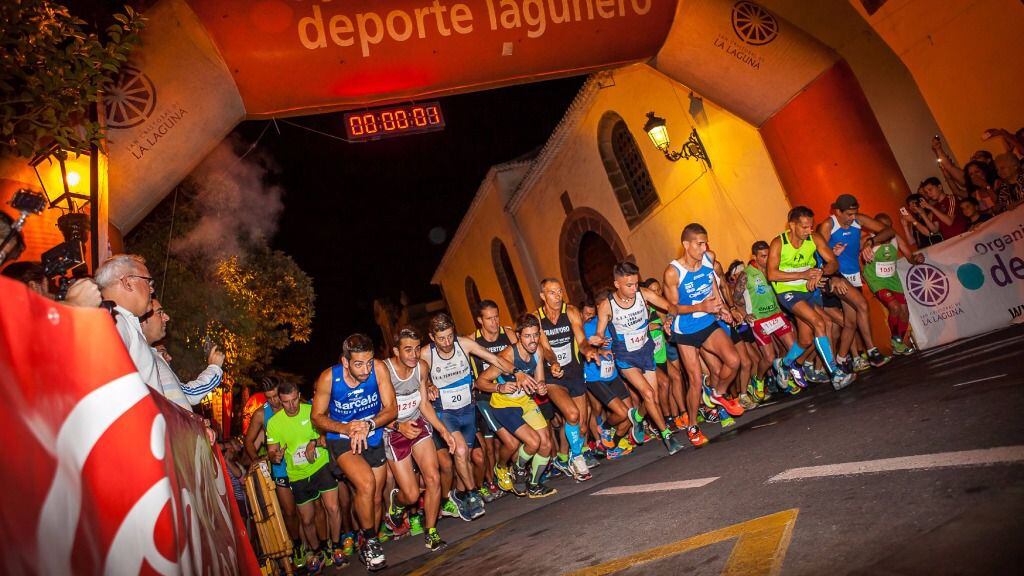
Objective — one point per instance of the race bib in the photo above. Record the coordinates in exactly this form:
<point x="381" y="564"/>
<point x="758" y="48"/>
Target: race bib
<point x="635" y="340"/>
<point x="659" y="343"/>
<point x="885" y="269"/>
<point x="563" y="354"/>
<point x="299" y="457"/>
<point x="607" y="368"/>
<point x="854" y="279"/>
<point x="455" y="397"/>
<point x="408" y="404"/>
<point x="773" y="325"/>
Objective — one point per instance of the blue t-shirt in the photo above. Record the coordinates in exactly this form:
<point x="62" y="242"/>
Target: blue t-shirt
<point x="592" y="371"/>
<point x="350" y="404"/>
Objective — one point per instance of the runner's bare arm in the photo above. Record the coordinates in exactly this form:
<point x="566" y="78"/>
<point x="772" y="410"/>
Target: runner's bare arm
<point x="321" y="403"/>
<point x="720" y="277"/>
<point x="908" y="251"/>
<point x="880" y="233"/>
<point x="576" y="321"/>
<point x="427" y="409"/>
<point x="475" y="349"/>
<point x="831" y="264"/>
<point x="388" y="403"/>
<point x="485" y="381"/>
<point x="671" y="289"/>
<point x="252" y="434"/>
<point x="656" y="299"/>
<point x="604" y="316"/>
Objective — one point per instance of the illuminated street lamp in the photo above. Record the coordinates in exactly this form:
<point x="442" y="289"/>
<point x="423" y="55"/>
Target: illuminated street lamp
<point x="63" y="178"/>
<point x="657" y="130"/>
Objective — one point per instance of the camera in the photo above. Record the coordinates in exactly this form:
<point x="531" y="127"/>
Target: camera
<point x="66" y="261"/>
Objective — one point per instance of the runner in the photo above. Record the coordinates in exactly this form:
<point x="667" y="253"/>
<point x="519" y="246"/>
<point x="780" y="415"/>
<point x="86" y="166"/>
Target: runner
<point x="666" y="359"/>
<point x="843" y="231"/>
<point x="694" y="297"/>
<point x="562" y="331"/>
<point x="409" y="435"/>
<point x="626" y="311"/>
<point x="513" y="407"/>
<point x="292" y="439"/>
<point x="792" y="272"/>
<point x="448" y="363"/>
<point x="885" y="284"/>
<point x="354" y="401"/>
<point x="744" y="341"/>
<point x="607" y="388"/>
<point x="254" y="437"/>
<point x="494" y="338"/>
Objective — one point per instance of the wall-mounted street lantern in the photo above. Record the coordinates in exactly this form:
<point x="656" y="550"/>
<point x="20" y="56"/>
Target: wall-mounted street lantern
<point x="657" y="130"/>
<point x="64" y="176"/>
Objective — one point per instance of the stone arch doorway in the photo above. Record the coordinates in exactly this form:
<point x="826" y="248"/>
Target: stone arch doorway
<point x="588" y="249"/>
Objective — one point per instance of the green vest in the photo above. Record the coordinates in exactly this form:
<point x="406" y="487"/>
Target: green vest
<point x="761" y="301"/>
<point x="658" y="335"/>
<point x="294" y="433"/>
<point x="795" y="260"/>
<point x="881" y="273"/>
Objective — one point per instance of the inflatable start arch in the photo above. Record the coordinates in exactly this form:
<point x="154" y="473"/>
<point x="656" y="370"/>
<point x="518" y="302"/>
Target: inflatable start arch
<point x="206" y="65"/>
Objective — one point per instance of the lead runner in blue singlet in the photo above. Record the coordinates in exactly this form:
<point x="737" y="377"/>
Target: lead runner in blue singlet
<point x="353" y="402"/>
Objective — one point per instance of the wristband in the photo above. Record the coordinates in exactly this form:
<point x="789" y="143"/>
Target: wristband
<point x="373" y="425"/>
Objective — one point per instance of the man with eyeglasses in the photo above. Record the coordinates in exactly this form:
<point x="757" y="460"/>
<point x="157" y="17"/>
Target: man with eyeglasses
<point x="154" y="327"/>
<point x="125" y="283"/>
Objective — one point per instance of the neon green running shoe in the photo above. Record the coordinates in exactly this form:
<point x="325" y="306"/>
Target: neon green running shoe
<point x="416" y="524"/>
<point x="299" y="557"/>
<point x="449" y="509"/>
<point x="504" y="477"/>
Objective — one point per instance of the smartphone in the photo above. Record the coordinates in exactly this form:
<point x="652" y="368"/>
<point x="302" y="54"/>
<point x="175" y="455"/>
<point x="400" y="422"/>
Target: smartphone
<point x="903" y="210"/>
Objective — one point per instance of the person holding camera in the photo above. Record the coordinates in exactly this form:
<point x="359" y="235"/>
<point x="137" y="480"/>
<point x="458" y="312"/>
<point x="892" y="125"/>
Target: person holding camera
<point x="918" y="226"/>
<point x="154" y="327"/>
<point x="84" y="293"/>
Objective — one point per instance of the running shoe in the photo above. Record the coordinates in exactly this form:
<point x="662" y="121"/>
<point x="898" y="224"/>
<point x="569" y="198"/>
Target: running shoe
<point x="671" y="445"/>
<point x="705" y="395"/>
<point x="519" y="478"/>
<point x="562" y="467"/>
<point x="384" y="533"/>
<point x="814" y="375"/>
<point x="841" y="379"/>
<point x="708" y="415"/>
<point x="682" y="421"/>
<point x="649" y="433"/>
<point x="485" y="494"/>
<point x="796" y="376"/>
<point x="781" y="373"/>
<point x="372" y="555"/>
<point x="898" y="347"/>
<point x="475" y="504"/>
<point x="608" y="438"/>
<point x="338" y="557"/>
<point x="792" y="388"/>
<point x="416" y="524"/>
<point x="725" y="418"/>
<point x="731" y="406"/>
<point x="756" y="389"/>
<point x="636" y="423"/>
<point x="845" y="363"/>
<point x="493" y="488"/>
<point x="859" y="364"/>
<point x="314" y="562"/>
<point x="299" y="557"/>
<point x="504" y="476"/>
<point x="540" y="491"/>
<point x="449" y="509"/>
<point x="747" y="402"/>
<point x="578" y="469"/>
<point x="462" y="505"/>
<point x="697" y="438"/>
<point x="348" y="544"/>
<point x="877" y="359"/>
<point x="434" y="542"/>
<point x="591" y="458"/>
<point x="396" y="512"/>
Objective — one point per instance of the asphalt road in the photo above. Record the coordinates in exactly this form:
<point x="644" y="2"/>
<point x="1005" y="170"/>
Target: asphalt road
<point x="956" y="512"/>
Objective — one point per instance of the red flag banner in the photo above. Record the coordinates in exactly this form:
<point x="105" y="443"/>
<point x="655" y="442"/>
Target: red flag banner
<point x="102" y="474"/>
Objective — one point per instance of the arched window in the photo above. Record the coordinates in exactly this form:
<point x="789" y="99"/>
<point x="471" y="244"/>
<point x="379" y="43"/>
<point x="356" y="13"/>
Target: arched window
<point x="472" y="296"/>
<point x="507" y="278"/>
<point x="626" y="169"/>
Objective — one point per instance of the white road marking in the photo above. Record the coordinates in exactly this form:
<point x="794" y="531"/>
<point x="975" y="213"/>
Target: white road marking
<point x="985" y="457"/>
<point x="978" y="380"/>
<point x="973" y="352"/>
<point x="659" y="487"/>
<point x="763" y="425"/>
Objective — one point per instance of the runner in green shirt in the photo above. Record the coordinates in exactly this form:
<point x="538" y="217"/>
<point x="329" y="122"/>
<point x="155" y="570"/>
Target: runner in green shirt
<point x="885" y="284"/>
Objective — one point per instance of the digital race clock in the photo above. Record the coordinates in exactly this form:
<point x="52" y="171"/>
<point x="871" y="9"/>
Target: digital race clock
<point x="394" y="121"/>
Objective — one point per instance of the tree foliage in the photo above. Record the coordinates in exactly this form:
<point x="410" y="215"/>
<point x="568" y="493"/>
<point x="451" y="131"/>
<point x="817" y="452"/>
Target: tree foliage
<point x="250" y="304"/>
<point x="52" y="70"/>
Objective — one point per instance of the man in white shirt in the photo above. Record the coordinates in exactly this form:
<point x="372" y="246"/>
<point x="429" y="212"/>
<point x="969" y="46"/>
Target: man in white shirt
<point x="154" y="327"/>
<point x="125" y="281"/>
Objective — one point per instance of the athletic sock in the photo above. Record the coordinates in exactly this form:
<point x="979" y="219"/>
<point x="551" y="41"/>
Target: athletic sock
<point x="369" y="534"/>
<point x="794" y="352"/>
<point x="539" y="464"/>
<point x="825" y="350"/>
<point x="522" y="457"/>
<point x="572" y="434"/>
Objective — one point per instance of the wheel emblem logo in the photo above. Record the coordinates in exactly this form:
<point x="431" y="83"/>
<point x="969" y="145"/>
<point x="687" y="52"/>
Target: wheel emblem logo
<point x="130" y="100"/>
<point x="927" y="285"/>
<point x="753" y="24"/>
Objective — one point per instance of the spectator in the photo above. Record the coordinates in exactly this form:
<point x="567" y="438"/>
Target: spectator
<point x="918" y="226"/>
<point x="124" y="281"/>
<point x="1010" y="187"/>
<point x="83" y="293"/>
<point x="231" y="449"/>
<point x="154" y="326"/>
<point x="942" y="209"/>
<point x="972" y="211"/>
<point x="1014" y="142"/>
<point x="980" y="180"/>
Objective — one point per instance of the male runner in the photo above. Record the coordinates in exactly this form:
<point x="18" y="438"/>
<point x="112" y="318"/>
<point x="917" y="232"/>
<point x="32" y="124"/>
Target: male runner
<point x="562" y="331"/>
<point x="278" y="471"/>
<point x="626" y="311"/>
<point x="607" y="388"/>
<point x="884" y="282"/>
<point x="354" y="401"/>
<point x="494" y="337"/>
<point x="292" y="439"/>
<point x="451" y="374"/>
<point x="695" y="298"/>
<point x="791" y="270"/>
<point x="843" y="232"/>
<point x="513" y="407"/>
<point x="410" y="434"/>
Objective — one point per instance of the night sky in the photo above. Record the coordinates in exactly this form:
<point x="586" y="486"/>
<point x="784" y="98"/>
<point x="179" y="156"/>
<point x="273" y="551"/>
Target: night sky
<point x="358" y="217"/>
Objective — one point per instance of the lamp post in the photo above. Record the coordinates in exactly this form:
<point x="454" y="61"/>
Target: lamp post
<point x="657" y="130"/>
<point x="66" y="178"/>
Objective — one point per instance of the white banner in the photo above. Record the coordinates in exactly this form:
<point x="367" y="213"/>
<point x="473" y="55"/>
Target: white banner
<point x="968" y="285"/>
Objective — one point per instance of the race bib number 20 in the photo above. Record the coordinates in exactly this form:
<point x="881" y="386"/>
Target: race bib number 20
<point x="455" y="397"/>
